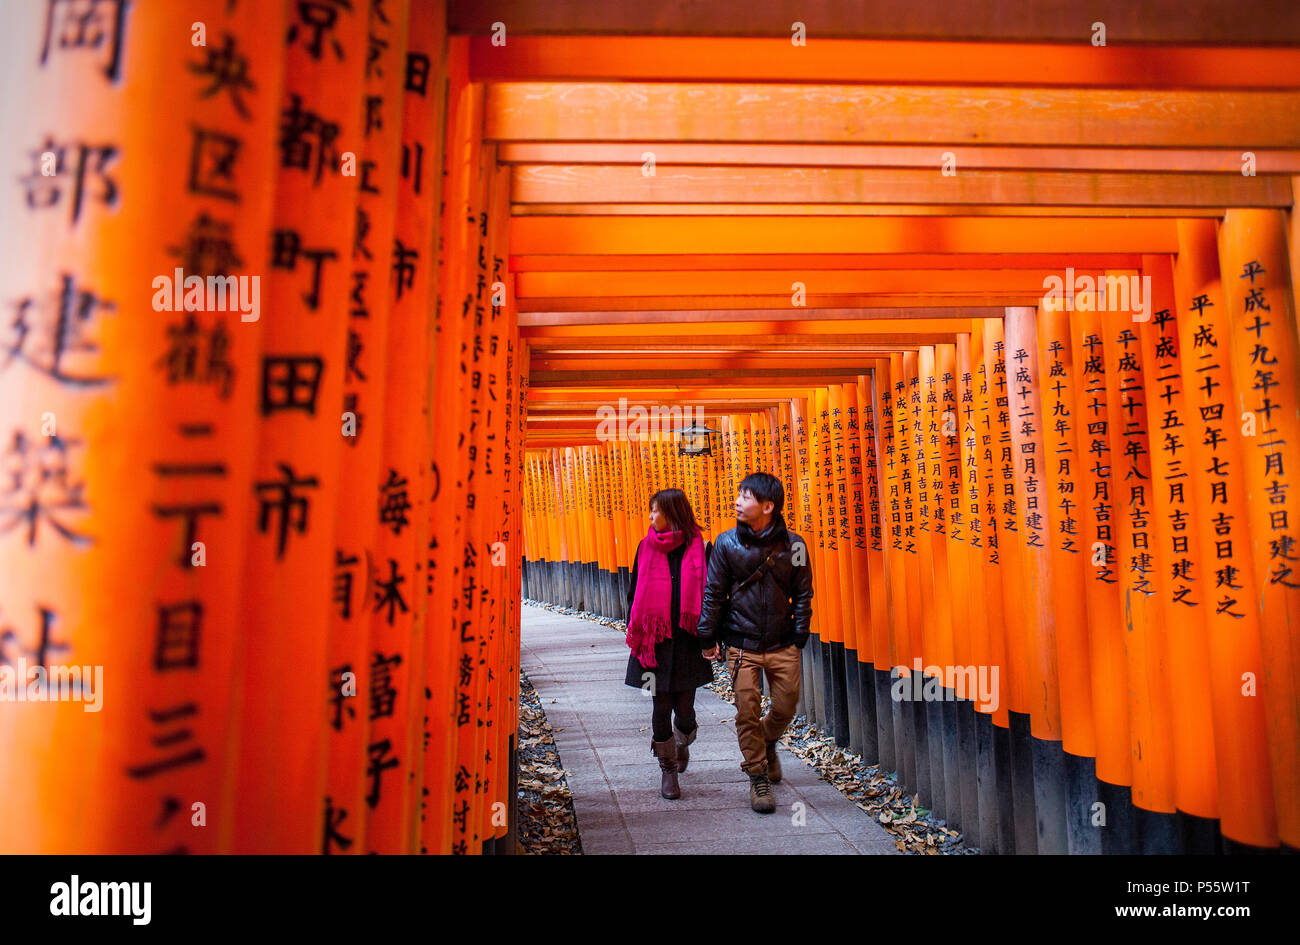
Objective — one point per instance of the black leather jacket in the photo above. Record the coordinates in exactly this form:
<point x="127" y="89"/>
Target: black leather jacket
<point x="775" y="609"/>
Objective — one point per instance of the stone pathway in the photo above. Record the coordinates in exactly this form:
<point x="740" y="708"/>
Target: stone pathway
<point x="577" y="668"/>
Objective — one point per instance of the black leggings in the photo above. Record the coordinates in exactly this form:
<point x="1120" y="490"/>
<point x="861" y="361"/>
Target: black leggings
<point x="682" y="704"/>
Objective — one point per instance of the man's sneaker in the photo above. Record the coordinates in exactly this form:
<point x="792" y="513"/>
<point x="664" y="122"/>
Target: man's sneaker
<point x="773" y="763"/>
<point x="760" y="794"/>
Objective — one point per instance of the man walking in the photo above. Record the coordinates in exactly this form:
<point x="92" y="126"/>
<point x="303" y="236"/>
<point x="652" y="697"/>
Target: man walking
<point x="758" y="604"/>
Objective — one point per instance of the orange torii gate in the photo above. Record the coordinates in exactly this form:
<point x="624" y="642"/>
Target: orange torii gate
<point x="1042" y="523"/>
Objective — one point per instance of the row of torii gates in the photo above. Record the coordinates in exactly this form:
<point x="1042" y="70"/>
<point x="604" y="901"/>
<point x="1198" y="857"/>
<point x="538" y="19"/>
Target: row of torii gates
<point x="291" y="534"/>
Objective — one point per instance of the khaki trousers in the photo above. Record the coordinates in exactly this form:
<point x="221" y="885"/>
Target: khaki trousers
<point x="783" y="679"/>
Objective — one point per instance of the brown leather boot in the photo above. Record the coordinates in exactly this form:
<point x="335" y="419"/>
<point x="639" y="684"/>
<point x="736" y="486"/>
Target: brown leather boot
<point x="773" y="763"/>
<point x="683" y="745"/>
<point x="760" y="794"/>
<point x="666" y="752"/>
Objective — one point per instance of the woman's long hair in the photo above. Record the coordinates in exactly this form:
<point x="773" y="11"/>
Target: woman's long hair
<point x="675" y="507"/>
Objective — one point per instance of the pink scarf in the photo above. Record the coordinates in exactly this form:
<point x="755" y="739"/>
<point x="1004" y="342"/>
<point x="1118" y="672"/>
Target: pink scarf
<point x="649" y="622"/>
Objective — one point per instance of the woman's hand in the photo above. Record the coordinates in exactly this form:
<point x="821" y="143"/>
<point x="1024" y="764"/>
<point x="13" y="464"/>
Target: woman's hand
<point x="711" y="653"/>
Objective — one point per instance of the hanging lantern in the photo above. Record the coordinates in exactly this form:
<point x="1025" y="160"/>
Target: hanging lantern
<point x="694" y="440"/>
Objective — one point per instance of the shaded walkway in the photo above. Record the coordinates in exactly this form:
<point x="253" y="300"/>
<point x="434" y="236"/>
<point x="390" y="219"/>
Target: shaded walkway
<point x="603" y="737"/>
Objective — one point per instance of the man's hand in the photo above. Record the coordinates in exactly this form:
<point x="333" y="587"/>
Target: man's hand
<point x="711" y="653"/>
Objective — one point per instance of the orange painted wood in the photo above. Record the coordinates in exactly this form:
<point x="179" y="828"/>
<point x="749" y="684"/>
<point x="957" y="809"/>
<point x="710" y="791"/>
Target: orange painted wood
<point x="945" y="471"/>
<point x="932" y="540"/>
<point x="107" y="440"/>
<point x="1142" y="617"/>
<point x="879" y="62"/>
<point x="1194" y="22"/>
<point x="970" y="646"/>
<point x="973" y="156"/>
<point x="1063" y="501"/>
<point x="1182" y="577"/>
<point x="284" y="666"/>
<point x="1099" y="534"/>
<point x="1247" y="805"/>
<point x="992" y="650"/>
<point x="550" y="236"/>
<point x="608" y="184"/>
<point x="1260" y="299"/>
<point x="365" y="375"/>
<point x="1042" y="686"/>
<point x="594" y="111"/>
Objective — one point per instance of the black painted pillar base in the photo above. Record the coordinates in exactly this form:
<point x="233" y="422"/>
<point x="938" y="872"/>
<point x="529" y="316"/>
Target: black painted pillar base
<point x="802" y="706"/>
<point x="952" y="772"/>
<point x="867" y="711"/>
<point x="904" y="737"/>
<point x="852" y="697"/>
<point x="826" y="686"/>
<point x="984" y="832"/>
<point x="1081" y="793"/>
<point x="840" y="714"/>
<point x="937" y="798"/>
<point x="1005" y="772"/>
<point x="1233" y="848"/>
<point x="1049" y="796"/>
<point x="885" y="743"/>
<point x="1119" y="835"/>
<point x="509" y="844"/>
<point x="1022" y="780"/>
<point x="1200" y="835"/>
<point x="1157" y="833"/>
<point x="920" y="743"/>
<point x="818" y="680"/>
<point x="970" y="810"/>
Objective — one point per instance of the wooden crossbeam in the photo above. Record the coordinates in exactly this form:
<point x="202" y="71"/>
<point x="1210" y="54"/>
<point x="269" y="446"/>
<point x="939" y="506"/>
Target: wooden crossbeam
<point x="612" y="285"/>
<point x="539" y="111"/>
<point x="1263" y="22"/>
<point x="545" y="236"/>
<point x="879" y="62"/>
<point x="850" y="210"/>
<point x="814" y="261"/>
<point x="813" y="300"/>
<point x="973" y="156"/>
<point x="584" y="183"/>
<point x="539" y="325"/>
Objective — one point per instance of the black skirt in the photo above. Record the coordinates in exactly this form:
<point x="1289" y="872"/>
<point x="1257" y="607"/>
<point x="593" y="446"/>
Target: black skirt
<point x="681" y="667"/>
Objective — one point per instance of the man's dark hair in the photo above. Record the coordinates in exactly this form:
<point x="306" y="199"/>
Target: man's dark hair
<point x="765" y="488"/>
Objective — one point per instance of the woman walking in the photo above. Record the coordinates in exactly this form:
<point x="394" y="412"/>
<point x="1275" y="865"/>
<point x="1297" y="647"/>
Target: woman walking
<point x="668" y="576"/>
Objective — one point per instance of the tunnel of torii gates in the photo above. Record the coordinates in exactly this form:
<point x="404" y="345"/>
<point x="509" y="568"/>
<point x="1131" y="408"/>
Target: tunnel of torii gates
<point x="281" y="532"/>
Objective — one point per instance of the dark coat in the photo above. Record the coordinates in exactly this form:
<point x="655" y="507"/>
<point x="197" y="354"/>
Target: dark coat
<point x="680" y="667"/>
<point x="772" y="611"/>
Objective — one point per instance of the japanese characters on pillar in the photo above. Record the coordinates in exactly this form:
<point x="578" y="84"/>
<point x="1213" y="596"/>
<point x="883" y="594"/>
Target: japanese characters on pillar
<point x="991" y="420"/>
<point x="1180" y="582"/>
<point x="1143" y="618"/>
<point x="903" y="371"/>
<point x="1217" y="454"/>
<point x="837" y="493"/>
<point x="404" y="483"/>
<point x="946" y="481"/>
<point x="1101" y="582"/>
<point x="854" y="520"/>
<point x="295" y="484"/>
<point x="137" y="598"/>
<point x="1260" y="297"/>
<point x="494" y="371"/>
<point x="1061" y="462"/>
<point x="480" y="350"/>
<point x="1040" y="686"/>
<point x="971" y="647"/>
<point x="936" y="624"/>
<point x="877" y="572"/>
<point x="362" y="425"/>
